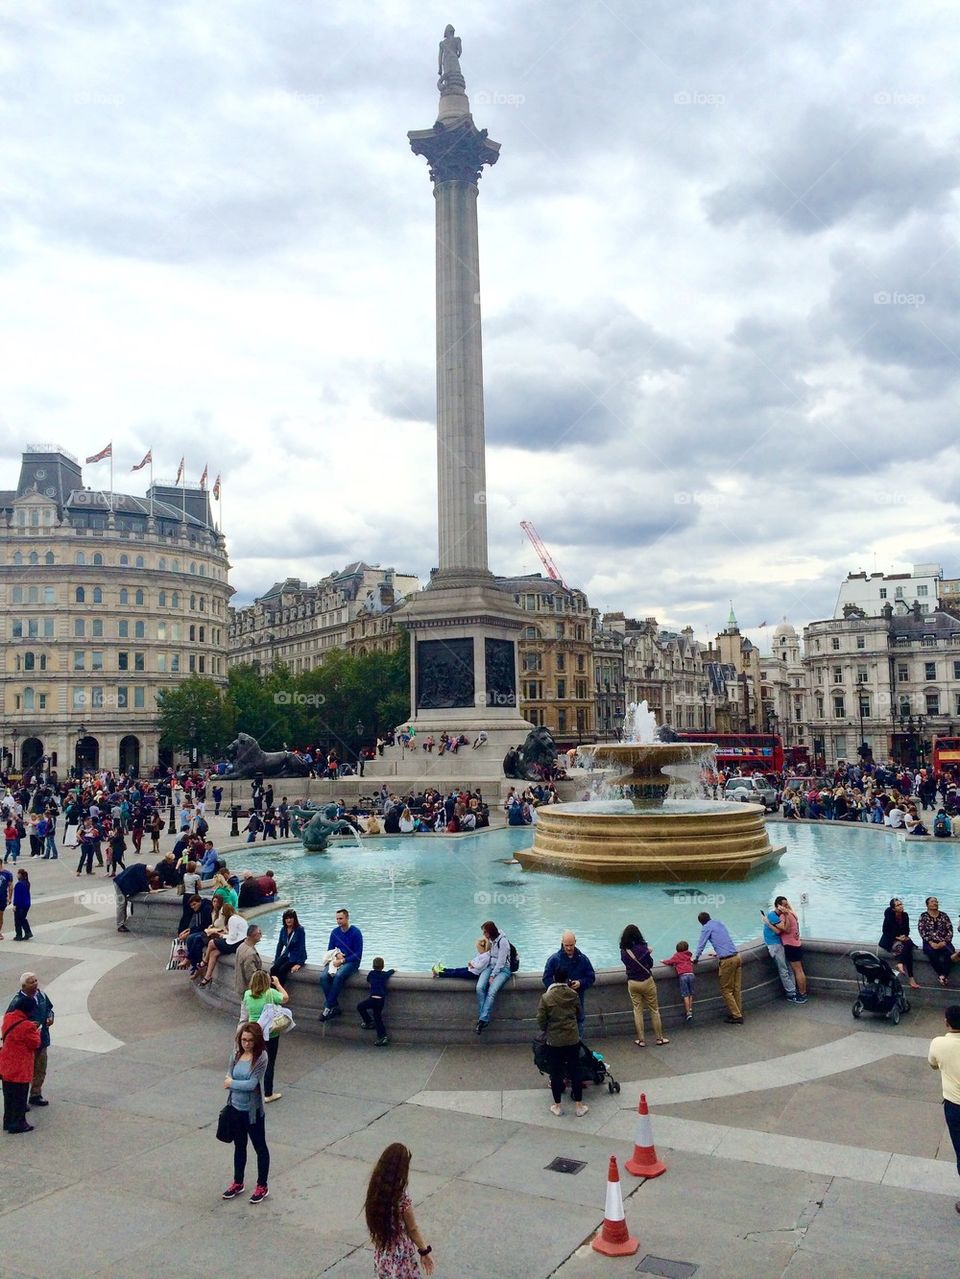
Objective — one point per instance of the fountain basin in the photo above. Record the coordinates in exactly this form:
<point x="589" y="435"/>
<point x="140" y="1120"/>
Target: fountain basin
<point x="613" y="840"/>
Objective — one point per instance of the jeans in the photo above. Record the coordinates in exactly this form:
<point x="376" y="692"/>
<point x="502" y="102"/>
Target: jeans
<point x="258" y="1139"/>
<point x="13" y="850"/>
<point x="273" y="1047"/>
<point x="196" y="945"/>
<point x="939" y="958"/>
<point x="86" y="855"/>
<point x="50" y="848"/>
<point x="23" y="929"/>
<point x="488" y="988"/>
<point x="951" y="1113"/>
<point x="784" y="971"/>
<point x="331" y="986"/>
<point x="373" y="1007"/>
<point x="565" y="1064"/>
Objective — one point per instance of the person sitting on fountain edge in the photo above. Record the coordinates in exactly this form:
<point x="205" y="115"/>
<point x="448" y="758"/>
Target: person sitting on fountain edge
<point x="348" y="940"/>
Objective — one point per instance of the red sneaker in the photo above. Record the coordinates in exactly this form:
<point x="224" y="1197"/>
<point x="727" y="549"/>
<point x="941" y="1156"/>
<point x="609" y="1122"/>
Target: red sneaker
<point x="259" y="1194"/>
<point x="235" y="1188"/>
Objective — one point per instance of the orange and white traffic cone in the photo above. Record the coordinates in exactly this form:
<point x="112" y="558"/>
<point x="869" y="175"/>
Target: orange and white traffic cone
<point x="613" y="1239"/>
<point x="644" y="1162"/>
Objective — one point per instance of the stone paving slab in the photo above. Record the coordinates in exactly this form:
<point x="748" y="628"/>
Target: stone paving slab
<point x="520" y="1165"/>
<point x="326" y="1193"/>
<point x="311" y="1121"/>
<point x="390" y="1074"/>
<point x="83" y="1140"/>
<point x="88" y="1229"/>
<point x="234" y="1238"/>
<point x="446" y="1145"/>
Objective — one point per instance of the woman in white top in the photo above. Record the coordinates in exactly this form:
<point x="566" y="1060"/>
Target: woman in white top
<point x="227" y="938"/>
<point x="406" y="822"/>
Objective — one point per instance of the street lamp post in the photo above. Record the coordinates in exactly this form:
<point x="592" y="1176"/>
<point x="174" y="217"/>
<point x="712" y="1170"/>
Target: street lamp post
<point x="78" y="756"/>
<point x="193" y="741"/>
<point x="14" y="737"/>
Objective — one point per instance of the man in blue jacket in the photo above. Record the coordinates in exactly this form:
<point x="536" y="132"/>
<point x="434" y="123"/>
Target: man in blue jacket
<point x="578" y="967"/>
<point x="348" y="939"/>
<point x="39" y="1008"/>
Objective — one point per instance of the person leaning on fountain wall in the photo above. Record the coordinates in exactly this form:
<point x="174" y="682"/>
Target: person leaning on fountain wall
<point x="729" y="974"/>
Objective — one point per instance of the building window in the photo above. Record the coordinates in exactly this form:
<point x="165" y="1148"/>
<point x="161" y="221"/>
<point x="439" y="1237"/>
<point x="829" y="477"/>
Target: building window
<point x="139" y="561"/>
<point x="79" y="558"/>
<point x="96" y="661"/>
<point x="560" y="660"/>
<point x="174" y="663"/>
<point x="956" y="670"/>
<point x="839" y="708"/>
<point x="192" y="664"/>
<point x="161" y="663"/>
<point x="123" y="661"/>
<point x="531" y="661"/>
<point x="138" y="697"/>
<point x="49" y="595"/>
<point x="123" y="629"/>
<point x="929" y="670"/>
<point x="139" y="662"/>
<point x="124" y="595"/>
<point x="580" y="665"/>
<point x="561" y="721"/>
<point x="161" y="630"/>
<point x="922" y="591"/>
<point x="138" y="630"/>
<point x="862" y="675"/>
<point x="98" y="560"/>
<point x="933" y="703"/>
<point x="138" y="598"/>
<point x="162" y="563"/>
<point x="96" y="699"/>
<point x="175" y="599"/>
<point x="122" y="696"/>
<point x="202" y="664"/>
<point x="79" y="627"/>
<point x="819" y="708"/>
<point x="79" y="699"/>
<point x="80" y="595"/>
<point x="48" y="558"/>
<point x="192" y="633"/>
<point x="903" y="672"/>
<point x="838" y="675"/>
<point x="841" y="744"/>
<point x="905" y="707"/>
<point x="835" y="644"/>
<point x="162" y="599"/>
<point x="956" y="703"/>
<point x="561" y="688"/>
<point x="96" y="628"/>
<point x="79" y="661"/>
<point x="861" y="642"/>
<point x="883" y="592"/>
<point x="531" y="632"/>
<point x="97" y="595"/>
<point x="175" y="629"/>
<point x="898" y="593"/>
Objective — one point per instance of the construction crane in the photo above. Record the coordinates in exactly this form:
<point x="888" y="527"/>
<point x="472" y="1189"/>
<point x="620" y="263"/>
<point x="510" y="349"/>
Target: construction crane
<point x="545" y="558"/>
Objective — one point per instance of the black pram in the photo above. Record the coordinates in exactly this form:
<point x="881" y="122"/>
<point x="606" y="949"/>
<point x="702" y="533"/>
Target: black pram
<point x="880" y="990"/>
<point x="593" y="1069"/>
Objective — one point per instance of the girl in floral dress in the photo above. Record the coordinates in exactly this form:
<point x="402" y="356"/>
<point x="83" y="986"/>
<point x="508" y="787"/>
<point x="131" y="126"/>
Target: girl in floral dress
<point x="398" y="1244"/>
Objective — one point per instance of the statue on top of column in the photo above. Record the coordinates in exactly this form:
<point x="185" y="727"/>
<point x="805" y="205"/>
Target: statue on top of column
<point x="448" y="63"/>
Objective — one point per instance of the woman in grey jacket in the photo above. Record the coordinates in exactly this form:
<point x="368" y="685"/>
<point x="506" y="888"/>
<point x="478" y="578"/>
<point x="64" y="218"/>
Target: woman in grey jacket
<point x="557" y="1018"/>
<point x="247" y="1067"/>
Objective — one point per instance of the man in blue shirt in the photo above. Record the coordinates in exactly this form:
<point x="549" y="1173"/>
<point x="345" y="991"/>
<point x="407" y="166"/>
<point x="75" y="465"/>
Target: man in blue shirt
<point x="349" y="941"/>
<point x="578" y="967"/>
<point x="728" y="972"/>
<point x="773" y="926"/>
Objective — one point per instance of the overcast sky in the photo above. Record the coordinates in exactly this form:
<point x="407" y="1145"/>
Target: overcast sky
<point x="721" y="282"/>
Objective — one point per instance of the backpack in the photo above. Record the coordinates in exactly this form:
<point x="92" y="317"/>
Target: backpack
<point x="940" y="826"/>
<point x="514" y="959"/>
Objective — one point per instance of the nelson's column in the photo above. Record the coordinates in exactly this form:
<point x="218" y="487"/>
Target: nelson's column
<point x="463" y="651"/>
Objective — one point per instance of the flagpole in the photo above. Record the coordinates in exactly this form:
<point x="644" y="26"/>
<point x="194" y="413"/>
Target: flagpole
<point x="110" y="503"/>
<point x="151" y="481"/>
<point x="183" y="490"/>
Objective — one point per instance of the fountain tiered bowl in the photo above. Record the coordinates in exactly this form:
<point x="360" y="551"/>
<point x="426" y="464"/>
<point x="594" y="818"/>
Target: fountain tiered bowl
<point x="649" y="834"/>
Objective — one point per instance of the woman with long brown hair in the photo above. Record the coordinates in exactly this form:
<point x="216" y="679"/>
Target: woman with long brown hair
<point x="393" y="1228"/>
<point x="248" y="1065"/>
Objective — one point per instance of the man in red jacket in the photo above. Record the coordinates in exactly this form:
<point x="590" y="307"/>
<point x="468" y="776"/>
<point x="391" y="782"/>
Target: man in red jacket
<point x="21" y="1039"/>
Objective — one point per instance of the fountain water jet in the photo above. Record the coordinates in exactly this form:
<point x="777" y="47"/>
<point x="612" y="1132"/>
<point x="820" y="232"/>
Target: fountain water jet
<point x="649" y="833"/>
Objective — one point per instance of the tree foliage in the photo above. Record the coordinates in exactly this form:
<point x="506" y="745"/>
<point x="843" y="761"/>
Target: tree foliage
<point x="341" y="705"/>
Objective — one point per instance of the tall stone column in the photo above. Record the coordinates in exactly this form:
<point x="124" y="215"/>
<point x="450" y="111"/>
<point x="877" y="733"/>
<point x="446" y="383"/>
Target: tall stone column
<point x="463" y="668"/>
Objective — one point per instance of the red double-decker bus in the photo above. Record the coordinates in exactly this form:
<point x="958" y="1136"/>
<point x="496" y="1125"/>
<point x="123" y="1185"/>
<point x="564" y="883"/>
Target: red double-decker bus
<point x="750" y="752"/>
<point x="946" y="755"/>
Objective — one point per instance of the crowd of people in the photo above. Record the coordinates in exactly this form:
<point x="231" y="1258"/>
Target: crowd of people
<point x="874" y="794"/>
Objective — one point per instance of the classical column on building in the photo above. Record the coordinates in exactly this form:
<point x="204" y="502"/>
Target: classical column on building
<point x="463" y="628"/>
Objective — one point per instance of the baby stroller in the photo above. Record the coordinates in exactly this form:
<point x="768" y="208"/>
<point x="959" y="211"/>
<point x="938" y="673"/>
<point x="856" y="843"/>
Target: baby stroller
<point x="593" y="1069"/>
<point x="880" y="991"/>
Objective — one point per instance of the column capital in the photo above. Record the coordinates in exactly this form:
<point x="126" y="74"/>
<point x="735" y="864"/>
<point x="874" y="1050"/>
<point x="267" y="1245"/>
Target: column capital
<point x="456" y="154"/>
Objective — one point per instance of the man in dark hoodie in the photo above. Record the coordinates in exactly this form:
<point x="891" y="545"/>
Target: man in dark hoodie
<point x="557" y="1018"/>
<point x="39" y="1008"/>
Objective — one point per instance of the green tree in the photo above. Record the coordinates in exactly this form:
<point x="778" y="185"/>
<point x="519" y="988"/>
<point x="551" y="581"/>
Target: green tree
<point x="195" y="713"/>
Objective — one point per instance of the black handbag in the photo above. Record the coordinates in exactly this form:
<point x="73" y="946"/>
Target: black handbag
<point x="226" y="1124"/>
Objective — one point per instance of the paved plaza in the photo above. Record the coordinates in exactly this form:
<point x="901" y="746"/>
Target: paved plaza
<point x="801" y="1144"/>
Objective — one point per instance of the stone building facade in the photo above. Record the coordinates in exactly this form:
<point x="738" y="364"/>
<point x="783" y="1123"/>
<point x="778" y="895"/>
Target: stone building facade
<point x="106" y="599"/>
<point x="296" y="624"/>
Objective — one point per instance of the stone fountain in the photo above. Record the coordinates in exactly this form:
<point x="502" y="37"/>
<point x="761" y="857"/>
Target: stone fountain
<point x="645" y="824"/>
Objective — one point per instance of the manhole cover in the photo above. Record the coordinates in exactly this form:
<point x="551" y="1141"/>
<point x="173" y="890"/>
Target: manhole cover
<point x="572" y="1166"/>
<point x="668" y="1269"/>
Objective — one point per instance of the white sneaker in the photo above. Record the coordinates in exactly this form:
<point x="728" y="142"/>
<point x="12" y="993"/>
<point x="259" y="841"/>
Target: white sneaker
<point x="556" y="1108"/>
<point x="581" y="1110"/>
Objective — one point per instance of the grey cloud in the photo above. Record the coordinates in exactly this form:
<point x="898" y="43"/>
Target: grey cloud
<point x="832" y="166"/>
